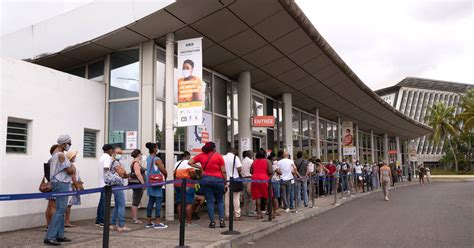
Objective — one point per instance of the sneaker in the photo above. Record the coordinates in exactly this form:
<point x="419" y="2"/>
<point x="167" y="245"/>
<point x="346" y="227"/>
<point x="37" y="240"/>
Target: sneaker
<point x="212" y="224"/>
<point x="222" y="224"/>
<point x="123" y="229"/>
<point x="386" y="198"/>
<point x="149" y="225"/>
<point x="113" y="228"/>
<point x="160" y="226"/>
<point x="136" y="222"/>
<point x="99" y="224"/>
<point x="287" y="210"/>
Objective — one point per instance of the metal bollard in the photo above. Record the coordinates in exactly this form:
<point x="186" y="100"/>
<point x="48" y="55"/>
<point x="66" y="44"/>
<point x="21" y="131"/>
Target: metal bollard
<point x="182" y="219"/>
<point x="295" y="191"/>
<point x="312" y="192"/>
<point x="106" y="233"/>
<point x="231" y="210"/>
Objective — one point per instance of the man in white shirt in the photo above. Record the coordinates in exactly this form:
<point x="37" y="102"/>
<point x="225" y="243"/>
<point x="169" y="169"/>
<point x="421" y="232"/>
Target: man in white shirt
<point x="287" y="168"/>
<point x="233" y="167"/>
<point x="249" y="204"/>
<point x="104" y="164"/>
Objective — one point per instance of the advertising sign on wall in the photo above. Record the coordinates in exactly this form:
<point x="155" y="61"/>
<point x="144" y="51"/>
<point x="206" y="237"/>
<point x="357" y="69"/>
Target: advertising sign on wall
<point x="190" y="84"/>
<point x="348" y="146"/>
<point x="198" y="135"/>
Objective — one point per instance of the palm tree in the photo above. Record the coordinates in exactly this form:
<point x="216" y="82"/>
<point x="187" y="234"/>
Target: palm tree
<point x="467" y="114"/>
<point x="441" y="119"/>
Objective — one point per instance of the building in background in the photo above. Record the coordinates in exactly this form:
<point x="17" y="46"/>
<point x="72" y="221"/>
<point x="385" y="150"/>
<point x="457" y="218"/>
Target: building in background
<point x="413" y="96"/>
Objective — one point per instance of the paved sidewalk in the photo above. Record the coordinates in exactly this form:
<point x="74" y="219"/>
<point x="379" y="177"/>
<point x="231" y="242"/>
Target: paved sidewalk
<point x="86" y="234"/>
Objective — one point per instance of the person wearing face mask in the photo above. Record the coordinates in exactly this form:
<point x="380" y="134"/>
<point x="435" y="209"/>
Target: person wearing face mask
<point x="137" y="176"/>
<point x="117" y="222"/>
<point x="189" y="86"/>
<point x="61" y="171"/>
<point x="104" y="164"/>
<point x="77" y="184"/>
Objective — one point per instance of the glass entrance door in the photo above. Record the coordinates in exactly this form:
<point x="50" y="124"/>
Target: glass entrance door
<point x="256" y="143"/>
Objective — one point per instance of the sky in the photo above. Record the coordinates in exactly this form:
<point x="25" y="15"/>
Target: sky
<point x="385" y="41"/>
<point x="382" y="41"/>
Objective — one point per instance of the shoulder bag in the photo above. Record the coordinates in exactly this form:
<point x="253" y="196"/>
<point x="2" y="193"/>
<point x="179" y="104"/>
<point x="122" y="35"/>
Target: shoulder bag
<point x="174" y="172"/>
<point x="111" y="177"/>
<point x="45" y="186"/>
<point x="155" y="177"/>
<point x="237" y="186"/>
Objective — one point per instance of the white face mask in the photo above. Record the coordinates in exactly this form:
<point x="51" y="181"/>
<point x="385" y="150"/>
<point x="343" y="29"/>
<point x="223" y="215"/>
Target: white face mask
<point x="67" y="147"/>
<point x="186" y="73"/>
<point x="118" y="156"/>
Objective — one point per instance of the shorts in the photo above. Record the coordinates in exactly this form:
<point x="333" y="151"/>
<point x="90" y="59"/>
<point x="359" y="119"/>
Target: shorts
<point x="190" y="192"/>
<point x="137" y="197"/>
<point x="276" y="189"/>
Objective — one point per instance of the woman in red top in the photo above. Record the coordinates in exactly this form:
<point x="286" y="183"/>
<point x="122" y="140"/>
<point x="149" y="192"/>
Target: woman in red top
<point x="261" y="170"/>
<point x="213" y="184"/>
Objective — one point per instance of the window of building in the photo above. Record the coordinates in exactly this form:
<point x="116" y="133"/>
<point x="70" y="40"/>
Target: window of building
<point x="124" y="74"/>
<point x="95" y="71"/>
<point x="207" y="90"/>
<point x="17" y="136"/>
<point x="160" y="75"/>
<point x="257" y="106"/>
<point x="123" y="117"/>
<point x="221" y="100"/>
<point x="296" y="122"/>
<point x="90" y="144"/>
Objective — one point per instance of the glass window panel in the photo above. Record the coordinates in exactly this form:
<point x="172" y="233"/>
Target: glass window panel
<point x="124" y="74"/>
<point x="235" y="97"/>
<point x="334" y="130"/>
<point x="179" y="139"/>
<point x="159" y="124"/>
<point x="160" y="74"/>
<point x="305" y="124"/>
<point x="207" y="92"/>
<point x="229" y="99"/>
<point x="236" y="135"/>
<point x="322" y="129"/>
<point x="296" y="122"/>
<point x="257" y="106"/>
<point x="123" y="117"/>
<point x="329" y="131"/>
<point x="220" y="91"/>
<point x="95" y="71"/>
<point x="312" y="126"/>
<point x="306" y="151"/>
<point x="220" y="134"/>
<point x="296" y="146"/>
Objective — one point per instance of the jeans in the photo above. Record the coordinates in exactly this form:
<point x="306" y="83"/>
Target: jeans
<point x="409" y="177"/>
<point x="302" y="189"/>
<point x="249" y="204"/>
<point x="56" y="226"/>
<point x="375" y="180"/>
<point x="321" y="186"/>
<point x="292" y="194"/>
<point x="154" y="201"/>
<point x="119" y="209"/>
<point x="213" y="189"/>
<point x="100" y="209"/>
<point x="344" y="182"/>
<point x="286" y="189"/>
<point x="329" y="184"/>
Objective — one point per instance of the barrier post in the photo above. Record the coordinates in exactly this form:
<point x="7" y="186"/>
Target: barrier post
<point x="311" y="180"/>
<point x="295" y="193"/>
<point x="182" y="219"/>
<point x="270" y="200"/>
<point x="108" y="199"/>
<point x="317" y="184"/>
<point x="231" y="210"/>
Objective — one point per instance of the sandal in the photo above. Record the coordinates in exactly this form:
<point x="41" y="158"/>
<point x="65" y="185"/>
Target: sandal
<point x="69" y="225"/>
<point x="136" y="221"/>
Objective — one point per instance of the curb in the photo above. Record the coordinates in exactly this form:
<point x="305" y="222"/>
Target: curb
<point x="260" y="232"/>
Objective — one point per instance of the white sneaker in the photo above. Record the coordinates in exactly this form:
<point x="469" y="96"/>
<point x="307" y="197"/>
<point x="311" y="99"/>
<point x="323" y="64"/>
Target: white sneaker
<point x="287" y="210"/>
<point x="386" y="198"/>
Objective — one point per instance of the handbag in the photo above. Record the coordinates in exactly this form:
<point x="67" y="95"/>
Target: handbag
<point x="45" y="186"/>
<point x="111" y="177"/>
<point x="237" y="186"/>
<point x="155" y="177"/>
<point x="121" y="171"/>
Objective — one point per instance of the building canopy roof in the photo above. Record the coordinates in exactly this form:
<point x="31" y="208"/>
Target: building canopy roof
<point x="427" y="84"/>
<point x="273" y="40"/>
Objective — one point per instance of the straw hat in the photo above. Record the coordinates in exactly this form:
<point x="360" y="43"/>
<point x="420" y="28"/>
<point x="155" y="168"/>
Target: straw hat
<point x="71" y="154"/>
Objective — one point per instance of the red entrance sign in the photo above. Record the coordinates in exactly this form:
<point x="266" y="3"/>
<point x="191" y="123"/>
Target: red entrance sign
<point x="263" y="121"/>
<point x="392" y="152"/>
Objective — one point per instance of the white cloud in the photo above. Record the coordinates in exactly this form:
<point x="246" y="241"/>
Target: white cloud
<point x="385" y="41"/>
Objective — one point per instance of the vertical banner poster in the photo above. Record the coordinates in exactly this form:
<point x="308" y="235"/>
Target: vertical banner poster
<point x="348" y="145"/>
<point x="198" y="135"/>
<point x="190" y="84"/>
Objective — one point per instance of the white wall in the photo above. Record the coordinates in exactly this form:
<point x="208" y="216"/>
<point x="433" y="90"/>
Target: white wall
<point x="55" y="103"/>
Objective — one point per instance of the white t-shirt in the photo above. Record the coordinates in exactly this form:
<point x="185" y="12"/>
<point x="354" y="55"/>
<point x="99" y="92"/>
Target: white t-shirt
<point x="104" y="162"/>
<point x="246" y="164"/>
<point x="286" y="166"/>
<point x="183" y="165"/>
<point x="358" y="169"/>
<point x="229" y="163"/>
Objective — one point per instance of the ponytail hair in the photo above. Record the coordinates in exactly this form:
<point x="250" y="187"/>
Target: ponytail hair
<point x="151" y="146"/>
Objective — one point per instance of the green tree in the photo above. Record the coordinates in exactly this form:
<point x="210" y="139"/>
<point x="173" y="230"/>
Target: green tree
<point x="441" y="119"/>
<point x="467" y="114"/>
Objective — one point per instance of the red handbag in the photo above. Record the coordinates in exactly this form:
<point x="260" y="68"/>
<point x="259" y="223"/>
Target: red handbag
<point x="155" y="177"/>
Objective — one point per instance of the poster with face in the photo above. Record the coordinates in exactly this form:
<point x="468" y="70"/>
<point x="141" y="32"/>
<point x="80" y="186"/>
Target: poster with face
<point x="189" y="82"/>
<point x="348" y="147"/>
<point x="198" y="135"/>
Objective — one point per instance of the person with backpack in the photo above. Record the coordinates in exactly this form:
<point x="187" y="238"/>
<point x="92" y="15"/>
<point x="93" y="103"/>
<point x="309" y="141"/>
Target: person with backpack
<point x="213" y="185"/>
<point x="137" y="176"/>
<point x="182" y="170"/>
<point x="233" y="168"/>
<point x="301" y="183"/>
<point x="156" y="173"/>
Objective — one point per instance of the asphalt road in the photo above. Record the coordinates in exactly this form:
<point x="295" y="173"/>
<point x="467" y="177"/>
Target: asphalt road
<point x="433" y="215"/>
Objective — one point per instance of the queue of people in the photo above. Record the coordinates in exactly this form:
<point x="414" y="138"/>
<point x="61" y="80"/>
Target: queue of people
<point x="290" y="184"/>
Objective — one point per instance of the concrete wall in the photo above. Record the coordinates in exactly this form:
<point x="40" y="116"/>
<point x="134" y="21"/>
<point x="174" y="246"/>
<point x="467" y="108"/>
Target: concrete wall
<point x="54" y="103"/>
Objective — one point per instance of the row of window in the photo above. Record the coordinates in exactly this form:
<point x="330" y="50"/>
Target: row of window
<point x="19" y="136"/>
